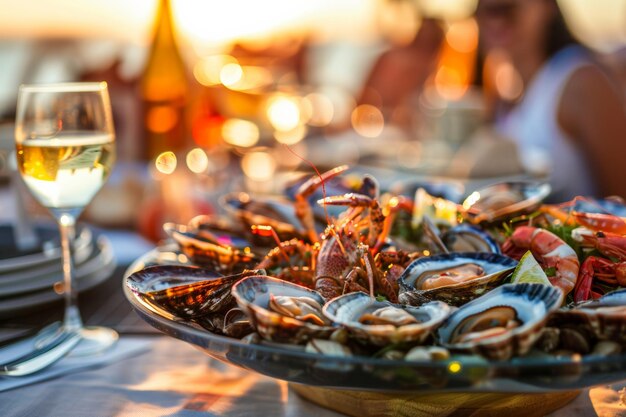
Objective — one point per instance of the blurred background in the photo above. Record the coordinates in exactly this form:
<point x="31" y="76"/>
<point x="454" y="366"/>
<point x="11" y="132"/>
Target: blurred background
<point x="213" y="96"/>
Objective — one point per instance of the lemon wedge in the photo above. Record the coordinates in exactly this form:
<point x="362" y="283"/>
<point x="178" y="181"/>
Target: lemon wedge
<point x="529" y="270"/>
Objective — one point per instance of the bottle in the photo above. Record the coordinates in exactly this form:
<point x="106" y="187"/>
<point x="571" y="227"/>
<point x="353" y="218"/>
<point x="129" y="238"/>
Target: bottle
<point x="164" y="89"/>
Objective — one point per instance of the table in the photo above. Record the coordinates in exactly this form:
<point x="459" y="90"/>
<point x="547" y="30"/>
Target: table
<point x="175" y="379"/>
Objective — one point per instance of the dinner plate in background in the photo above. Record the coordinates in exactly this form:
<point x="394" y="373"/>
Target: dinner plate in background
<point x="49" y="251"/>
<point x="95" y="271"/>
<point x="82" y="252"/>
<point x="46" y="276"/>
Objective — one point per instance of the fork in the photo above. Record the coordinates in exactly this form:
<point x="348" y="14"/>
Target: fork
<point x="43" y="356"/>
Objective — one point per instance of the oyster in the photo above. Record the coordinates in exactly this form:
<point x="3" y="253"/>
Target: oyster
<point x="427" y="353"/>
<point x="504" y="200"/>
<point x="280" y="311"/>
<point x="466" y="238"/>
<point x="183" y="291"/>
<point x="328" y="347"/>
<point x="301" y="308"/>
<point x="382" y="322"/>
<point x="604" y="318"/>
<point x="503" y="323"/>
<point x="455" y="278"/>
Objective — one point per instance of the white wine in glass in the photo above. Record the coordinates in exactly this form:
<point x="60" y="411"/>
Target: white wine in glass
<point x="65" y="144"/>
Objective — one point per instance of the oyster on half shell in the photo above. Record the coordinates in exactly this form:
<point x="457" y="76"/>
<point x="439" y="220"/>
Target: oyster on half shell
<point x="455" y="278"/>
<point x="503" y="323"/>
<point x="604" y="318"/>
<point x="281" y="311"/>
<point x="466" y="238"/>
<point x="382" y="322"/>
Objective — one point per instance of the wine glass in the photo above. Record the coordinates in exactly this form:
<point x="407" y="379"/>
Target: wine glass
<point x="65" y="146"/>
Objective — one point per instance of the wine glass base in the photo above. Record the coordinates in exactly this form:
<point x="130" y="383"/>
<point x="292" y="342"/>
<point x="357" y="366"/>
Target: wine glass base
<point x="95" y="340"/>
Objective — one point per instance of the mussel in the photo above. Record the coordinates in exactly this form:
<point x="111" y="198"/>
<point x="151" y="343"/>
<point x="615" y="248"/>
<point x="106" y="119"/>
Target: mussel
<point x="272" y="211"/>
<point x="186" y="292"/>
<point x="217" y="251"/>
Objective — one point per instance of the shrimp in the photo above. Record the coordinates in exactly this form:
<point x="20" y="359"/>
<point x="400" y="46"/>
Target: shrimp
<point x="550" y="251"/>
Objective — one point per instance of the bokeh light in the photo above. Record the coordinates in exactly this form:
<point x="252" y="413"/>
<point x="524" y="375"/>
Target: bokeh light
<point x="208" y="69"/>
<point x="239" y="132"/>
<point x="457" y="60"/>
<point x="258" y="165"/>
<point x="508" y="82"/>
<point x="399" y="21"/>
<point x="166" y="162"/>
<point x="231" y="74"/>
<point x="462" y="36"/>
<point x="321" y="109"/>
<point x="161" y="119"/>
<point x="283" y="112"/>
<point x="197" y="161"/>
<point x="450" y="82"/>
<point x="291" y="137"/>
<point x="367" y="121"/>
<point x="252" y="78"/>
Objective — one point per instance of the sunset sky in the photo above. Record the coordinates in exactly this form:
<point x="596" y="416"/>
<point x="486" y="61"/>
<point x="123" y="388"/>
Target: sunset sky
<point x="209" y="22"/>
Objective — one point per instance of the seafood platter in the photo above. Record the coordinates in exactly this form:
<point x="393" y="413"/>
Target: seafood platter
<point x="339" y="284"/>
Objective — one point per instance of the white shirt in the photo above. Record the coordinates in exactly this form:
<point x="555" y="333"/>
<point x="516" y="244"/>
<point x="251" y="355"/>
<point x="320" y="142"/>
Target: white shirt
<point x="542" y="143"/>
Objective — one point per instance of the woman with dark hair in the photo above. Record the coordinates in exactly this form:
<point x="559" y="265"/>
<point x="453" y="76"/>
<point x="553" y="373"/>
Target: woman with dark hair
<point x="571" y="116"/>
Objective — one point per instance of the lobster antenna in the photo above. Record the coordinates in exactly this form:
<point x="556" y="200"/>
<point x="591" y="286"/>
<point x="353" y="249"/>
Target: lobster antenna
<point x="312" y="165"/>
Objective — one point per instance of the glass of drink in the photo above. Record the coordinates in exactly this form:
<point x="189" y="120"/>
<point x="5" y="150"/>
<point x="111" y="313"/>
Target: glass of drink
<point x="65" y="151"/>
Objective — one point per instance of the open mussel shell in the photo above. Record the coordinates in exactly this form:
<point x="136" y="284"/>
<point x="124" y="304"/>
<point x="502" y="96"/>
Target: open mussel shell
<point x="186" y="292"/>
<point x="504" y="200"/>
<point x="220" y="252"/>
<point x="467" y="238"/>
<point x="605" y="318"/>
<point x="528" y="305"/>
<point x="267" y="211"/>
<point x="495" y="269"/>
<point x="253" y="296"/>
<point x="348" y="310"/>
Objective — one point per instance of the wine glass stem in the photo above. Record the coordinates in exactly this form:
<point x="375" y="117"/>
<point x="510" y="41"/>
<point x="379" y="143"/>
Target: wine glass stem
<point x="72" y="320"/>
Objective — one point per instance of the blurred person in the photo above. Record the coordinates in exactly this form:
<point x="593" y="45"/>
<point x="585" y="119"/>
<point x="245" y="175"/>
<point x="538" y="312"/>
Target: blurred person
<point x="399" y="73"/>
<point x="571" y="117"/>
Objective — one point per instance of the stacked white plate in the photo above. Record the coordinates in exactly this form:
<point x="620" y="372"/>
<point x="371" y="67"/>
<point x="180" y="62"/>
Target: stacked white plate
<point x="27" y="279"/>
